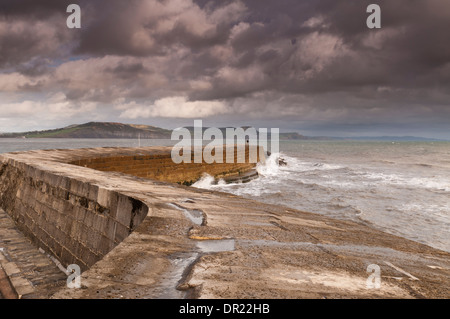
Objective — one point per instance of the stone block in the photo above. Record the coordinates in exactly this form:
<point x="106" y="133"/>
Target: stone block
<point x="75" y="230"/>
<point x="22" y="286"/>
<point x="124" y="208"/>
<point x="89" y="219"/>
<point x="87" y="256"/>
<point x="66" y="257"/>
<point x="92" y="193"/>
<point x="60" y="236"/>
<point x="113" y="204"/>
<point x="110" y="229"/>
<point x="80" y="213"/>
<point x="104" y="197"/>
<point x="76" y="187"/>
<point x="66" y="224"/>
<point x="122" y="232"/>
<point x="74" y="247"/>
<point x="64" y="182"/>
<point x="105" y="245"/>
<point x="11" y="268"/>
<point x="93" y="240"/>
<point x="99" y="223"/>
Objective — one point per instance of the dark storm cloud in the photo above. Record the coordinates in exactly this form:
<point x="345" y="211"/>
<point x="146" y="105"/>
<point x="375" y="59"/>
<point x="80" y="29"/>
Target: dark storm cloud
<point x="414" y="44"/>
<point x="316" y="59"/>
<point x="111" y="30"/>
<point x="37" y="8"/>
<point x="31" y="32"/>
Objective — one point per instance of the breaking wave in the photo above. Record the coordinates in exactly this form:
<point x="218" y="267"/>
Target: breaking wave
<point x="207" y="181"/>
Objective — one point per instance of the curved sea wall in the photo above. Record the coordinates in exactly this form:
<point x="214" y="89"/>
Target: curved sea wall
<point x="138" y="237"/>
<point x="78" y="221"/>
<point x="158" y="165"/>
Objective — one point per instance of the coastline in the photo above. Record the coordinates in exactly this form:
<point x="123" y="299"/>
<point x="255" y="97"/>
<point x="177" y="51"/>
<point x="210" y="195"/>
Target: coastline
<point x="241" y="249"/>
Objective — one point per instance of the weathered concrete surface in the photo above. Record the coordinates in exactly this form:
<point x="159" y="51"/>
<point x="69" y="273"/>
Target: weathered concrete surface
<point x="240" y="248"/>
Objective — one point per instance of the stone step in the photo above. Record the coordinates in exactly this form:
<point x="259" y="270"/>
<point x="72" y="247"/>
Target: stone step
<point x="24" y="271"/>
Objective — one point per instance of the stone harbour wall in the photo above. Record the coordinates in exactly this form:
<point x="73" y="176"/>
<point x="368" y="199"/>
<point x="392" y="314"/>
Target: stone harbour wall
<point x="162" y="168"/>
<point x="76" y="222"/>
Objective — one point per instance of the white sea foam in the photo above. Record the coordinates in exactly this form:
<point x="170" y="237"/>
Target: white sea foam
<point x="270" y="167"/>
<point x="441" y="211"/>
<point x="221" y="182"/>
<point x="298" y="165"/>
<point x="206" y="181"/>
<point x="400" y="180"/>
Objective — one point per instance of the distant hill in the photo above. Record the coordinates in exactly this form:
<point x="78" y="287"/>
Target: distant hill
<point x="98" y="130"/>
<point x="296" y="136"/>
<point x="283" y="136"/>
<point x="393" y="139"/>
<point x="134" y="131"/>
<point x="120" y="130"/>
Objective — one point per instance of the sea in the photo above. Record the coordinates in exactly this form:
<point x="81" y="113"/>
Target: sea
<point x="402" y="188"/>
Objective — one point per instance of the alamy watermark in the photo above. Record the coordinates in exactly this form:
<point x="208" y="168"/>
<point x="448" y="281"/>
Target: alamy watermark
<point x="74" y="19"/>
<point x="373" y="21"/>
<point x="74" y="276"/>
<point x="374" y="280"/>
<point x="231" y="148"/>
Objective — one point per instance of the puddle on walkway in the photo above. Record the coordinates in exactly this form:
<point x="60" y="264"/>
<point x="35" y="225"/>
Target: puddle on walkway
<point x="181" y="264"/>
<point x="194" y="215"/>
<point x="215" y="246"/>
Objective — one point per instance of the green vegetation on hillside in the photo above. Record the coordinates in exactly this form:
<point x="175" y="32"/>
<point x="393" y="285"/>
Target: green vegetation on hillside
<point x="97" y="130"/>
<point x="51" y="133"/>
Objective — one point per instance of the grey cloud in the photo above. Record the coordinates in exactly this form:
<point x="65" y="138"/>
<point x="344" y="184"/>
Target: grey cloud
<point x="35" y="67"/>
<point x="314" y="57"/>
<point x="35" y="8"/>
<point x="128" y="71"/>
<point x="33" y="33"/>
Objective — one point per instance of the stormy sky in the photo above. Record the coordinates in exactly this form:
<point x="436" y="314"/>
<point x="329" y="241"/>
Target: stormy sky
<point x="307" y="66"/>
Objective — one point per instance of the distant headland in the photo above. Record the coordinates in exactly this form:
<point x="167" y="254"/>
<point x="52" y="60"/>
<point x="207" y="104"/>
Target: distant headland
<point x="115" y="130"/>
<point x="119" y="130"/>
<point x="97" y="130"/>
